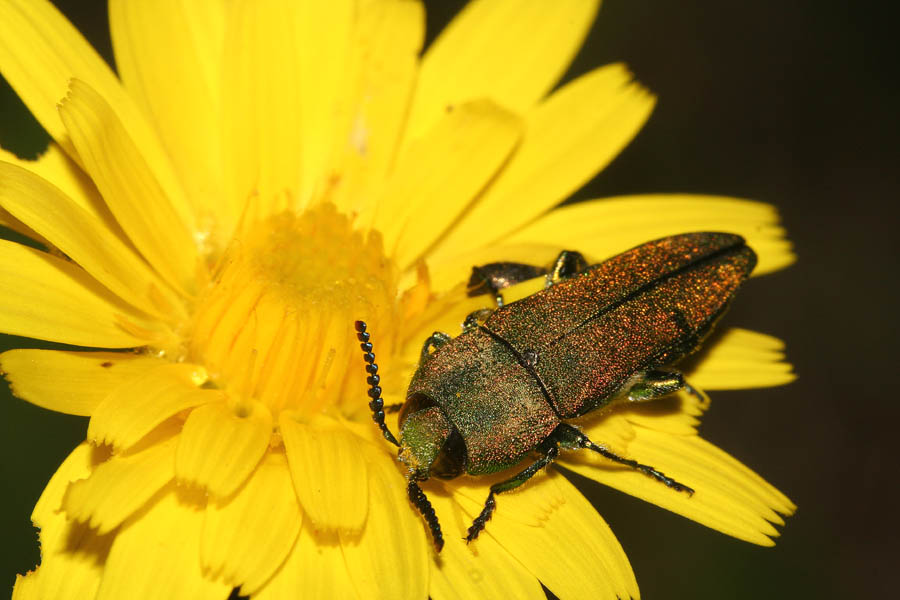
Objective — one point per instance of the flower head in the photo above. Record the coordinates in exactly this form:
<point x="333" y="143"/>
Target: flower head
<point x="258" y="176"/>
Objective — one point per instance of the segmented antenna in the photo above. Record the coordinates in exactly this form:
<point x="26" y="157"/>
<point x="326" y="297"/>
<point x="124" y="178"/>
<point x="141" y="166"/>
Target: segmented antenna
<point x="376" y="404"/>
<point x="420" y="501"/>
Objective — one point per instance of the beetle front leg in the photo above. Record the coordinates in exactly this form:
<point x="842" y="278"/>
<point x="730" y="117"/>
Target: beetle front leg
<point x="549" y="450"/>
<point x="571" y="438"/>
<point x="435" y="340"/>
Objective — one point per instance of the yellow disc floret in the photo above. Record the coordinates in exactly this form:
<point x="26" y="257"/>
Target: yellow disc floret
<point x="276" y="323"/>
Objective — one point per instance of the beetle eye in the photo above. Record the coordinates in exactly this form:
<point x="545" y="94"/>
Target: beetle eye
<point x="451" y="462"/>
<point x="413" y="404"/>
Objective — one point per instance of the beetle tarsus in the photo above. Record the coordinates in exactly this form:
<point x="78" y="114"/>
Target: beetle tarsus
<point x="699" y="395"/>
<point x="481" y="520"/>
<point x="549" y="449"/>
<point x="376" y="404"/>
<point x="645" y="469"/>
<point x="422" y="504"/>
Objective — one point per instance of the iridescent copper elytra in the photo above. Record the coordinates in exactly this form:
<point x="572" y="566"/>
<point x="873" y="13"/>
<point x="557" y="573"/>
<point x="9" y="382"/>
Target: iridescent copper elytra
<point x="595" y="336"/>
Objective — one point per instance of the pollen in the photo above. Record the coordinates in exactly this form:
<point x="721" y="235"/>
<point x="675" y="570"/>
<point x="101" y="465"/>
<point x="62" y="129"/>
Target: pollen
<point x="275" y="324"/>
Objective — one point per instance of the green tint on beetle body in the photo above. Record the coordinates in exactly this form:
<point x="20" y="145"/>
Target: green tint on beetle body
<point x="607" y="333"/>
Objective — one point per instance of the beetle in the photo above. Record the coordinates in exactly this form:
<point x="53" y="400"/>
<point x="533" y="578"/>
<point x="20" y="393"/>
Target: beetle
<point x="594" y="337"/>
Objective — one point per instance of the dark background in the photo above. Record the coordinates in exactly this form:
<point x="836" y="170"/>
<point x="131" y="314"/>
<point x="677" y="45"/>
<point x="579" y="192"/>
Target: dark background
<point x="792" y="103"/>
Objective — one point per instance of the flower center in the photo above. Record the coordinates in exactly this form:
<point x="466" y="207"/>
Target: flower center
<point x="276" y="323"/>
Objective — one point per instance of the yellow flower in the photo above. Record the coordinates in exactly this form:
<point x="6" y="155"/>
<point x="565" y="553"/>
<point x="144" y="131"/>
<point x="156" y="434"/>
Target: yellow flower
<point x="260" y="175"/>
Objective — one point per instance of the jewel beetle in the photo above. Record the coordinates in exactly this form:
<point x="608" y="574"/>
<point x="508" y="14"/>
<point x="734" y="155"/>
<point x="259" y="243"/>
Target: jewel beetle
<point x="598" y="335"/>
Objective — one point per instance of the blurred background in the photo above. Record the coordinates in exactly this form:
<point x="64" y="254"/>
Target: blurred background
<point x="792" y="103"/>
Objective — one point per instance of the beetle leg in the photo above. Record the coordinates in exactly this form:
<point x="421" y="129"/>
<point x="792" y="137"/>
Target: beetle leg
<point x="698" y="394"/>
<point x="549" y="450"/>
<point x="654" y="383"/>
<point x="476" y="318"/>
<point x="567" y="264"/>
<point x="570" y="437"/>
<point x="435" y="340"/>
<point x="420" y="501"/>
<point x="392" y="408"/>
<point x="493" y="277"/>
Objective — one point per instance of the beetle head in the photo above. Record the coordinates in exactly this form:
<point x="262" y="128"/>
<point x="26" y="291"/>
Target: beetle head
<point x="429" y="443"/>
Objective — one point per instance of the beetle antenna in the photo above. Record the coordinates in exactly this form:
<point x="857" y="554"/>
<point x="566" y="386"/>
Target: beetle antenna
<point x="420" y="501"/>
<point x="376" y="403"/>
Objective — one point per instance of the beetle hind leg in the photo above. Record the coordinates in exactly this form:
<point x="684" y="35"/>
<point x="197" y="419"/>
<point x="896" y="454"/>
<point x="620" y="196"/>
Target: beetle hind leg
<point x="549" y="450"/>
<point x="655" y="383"/>
<point x="569" y="437"/>
<point x="494" y="277"/>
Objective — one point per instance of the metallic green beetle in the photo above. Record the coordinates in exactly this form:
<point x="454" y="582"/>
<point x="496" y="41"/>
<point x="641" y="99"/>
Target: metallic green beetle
<point x="597" y="335"/>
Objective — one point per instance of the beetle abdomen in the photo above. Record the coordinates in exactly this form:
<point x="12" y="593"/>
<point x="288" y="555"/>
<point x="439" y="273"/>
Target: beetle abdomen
<point x="586" y="336"/>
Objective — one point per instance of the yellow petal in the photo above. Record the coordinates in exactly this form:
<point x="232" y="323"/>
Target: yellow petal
<point x="570" y="137"/>
<point x="280" y="95"/>
<point x="393" y="532"/>
<point x="262" y="92"/>
<point x="48" y="298"/>
<point x="479" y="570"/>
<point x="728" y="496"/>
<point x="27" y="587"/>
<point x="315" y="453"/>
<point x="314" y="569"/>
<point x="600" y="228"/>
<point x="135" y="408"/>
<point x="12" y="223"/>
<point x="123" y="484"/>
<point x="70" y="382"/>
<point x="85" y="239"/>
<point x="40" y="52"/>
<point x="156" y="554"/>
<point x="742" y="359"/>
<point x="56" y="167"/>
<point x="178" y="84"/>
<point x="387" y="40"/>
<point x="529" y="524"/>
<point x="509" y="51"/>
<point x="72" y="555"/>
<point x="678" y="414"/>
<point x="221" y="444"/>
<point x="438" y="176"/>
<point x="248" y="536"/>
<point x="143" y="207"/>
<point x="326" y="29"/>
